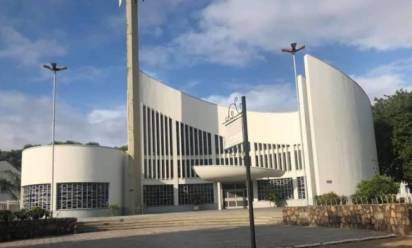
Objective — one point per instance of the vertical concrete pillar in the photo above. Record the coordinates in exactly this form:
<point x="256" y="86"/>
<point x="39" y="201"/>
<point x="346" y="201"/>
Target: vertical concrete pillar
<point x="219" y="196"/>
<point x="134" y="176"/>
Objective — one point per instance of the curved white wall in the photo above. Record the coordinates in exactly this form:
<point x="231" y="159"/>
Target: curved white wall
<point x="76" y="163"/>
<point x="339" y="127"/>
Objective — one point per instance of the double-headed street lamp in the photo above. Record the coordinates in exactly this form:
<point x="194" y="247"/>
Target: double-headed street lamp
<point x="54" y="68"/>
<point x="293" y="50"/>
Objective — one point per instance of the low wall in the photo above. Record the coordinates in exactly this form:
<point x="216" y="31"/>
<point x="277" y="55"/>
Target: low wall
<point x="395" y="218"/>
<point x="36" y="228"/>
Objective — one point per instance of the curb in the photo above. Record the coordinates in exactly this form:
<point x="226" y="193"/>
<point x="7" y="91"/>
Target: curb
<point x="343" y="241"/>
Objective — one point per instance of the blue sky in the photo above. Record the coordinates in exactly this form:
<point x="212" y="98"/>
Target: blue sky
<point x="210" y="49"/>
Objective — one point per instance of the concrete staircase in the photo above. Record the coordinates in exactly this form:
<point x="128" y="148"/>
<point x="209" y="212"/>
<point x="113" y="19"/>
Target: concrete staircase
<point x="183" y="219"/>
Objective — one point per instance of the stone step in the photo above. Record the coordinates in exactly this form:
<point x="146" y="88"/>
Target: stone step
<point x="170" y="222"/>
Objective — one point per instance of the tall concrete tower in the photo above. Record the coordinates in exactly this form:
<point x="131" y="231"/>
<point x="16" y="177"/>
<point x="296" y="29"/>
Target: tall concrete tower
<point x="133" y="197"/>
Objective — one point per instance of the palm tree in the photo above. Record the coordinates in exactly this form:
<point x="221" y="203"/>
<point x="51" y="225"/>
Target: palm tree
<point x="10" y="183"/>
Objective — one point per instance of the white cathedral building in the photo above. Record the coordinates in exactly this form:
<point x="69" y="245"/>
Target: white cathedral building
<point x="328" y="145"/>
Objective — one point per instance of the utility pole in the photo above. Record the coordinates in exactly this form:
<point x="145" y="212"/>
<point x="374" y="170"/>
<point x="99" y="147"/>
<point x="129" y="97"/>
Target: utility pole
<point x="53" y="67"/>
<point x="249" y="183"/>
<point x="293" y="50"/>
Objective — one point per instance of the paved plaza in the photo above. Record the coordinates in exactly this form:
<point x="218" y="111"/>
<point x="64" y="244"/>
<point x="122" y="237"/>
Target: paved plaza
<point x="198" y="237"/>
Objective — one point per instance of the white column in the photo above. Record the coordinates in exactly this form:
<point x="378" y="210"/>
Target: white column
<point x="219" y="195"/>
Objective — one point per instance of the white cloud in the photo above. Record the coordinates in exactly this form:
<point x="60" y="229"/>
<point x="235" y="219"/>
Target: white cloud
<point x="27" y="120"/>
<point x="262" y="97"/>
<point x="16" y="46"/>
<point x="386" y="79"/>
<point x="235" y="32"/>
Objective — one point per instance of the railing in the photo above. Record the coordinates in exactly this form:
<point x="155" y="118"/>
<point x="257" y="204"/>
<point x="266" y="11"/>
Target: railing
<point x="10" y="205"/>
<point x="356" y="200"/>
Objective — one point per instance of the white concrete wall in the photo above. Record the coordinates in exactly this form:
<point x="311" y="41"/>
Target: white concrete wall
<point x="341" y="129"/>
<point x="76" y="163"/>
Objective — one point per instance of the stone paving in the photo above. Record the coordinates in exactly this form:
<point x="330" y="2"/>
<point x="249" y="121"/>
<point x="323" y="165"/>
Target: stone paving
<point x="198" y="237"/>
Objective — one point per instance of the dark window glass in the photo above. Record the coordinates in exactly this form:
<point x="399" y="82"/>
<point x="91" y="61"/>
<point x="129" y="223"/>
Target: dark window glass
<point x="205" y="144"/>
<point x="153" y="132"/>
<point x="196" y="143"/>
<point x="187" y="139"/>
<point x="36" y="195"/>
<point x="301" y="187"/>
<point x="196" y="194"/>
<point x="182" y="138"/>
<point x="171" y="136"/>
<point x="82" y="195"/>
<point x="149" y="132"/>
<point x="157" y="134"/>
<point x="221" y="144"/>
<point x="200" y="142"/>
<point x="166" y="138"/>
<point x="178" y="169"/>
<point x="157" y="195"/>
<point x="191" y="140"/>
<point x="162" y="137"/>
<point x="177" y="138"/>
<point x="282" y="187"/>
<point x="216" y="144"/>
<point x="144" y="131"/>
<point x="209" y="143"/>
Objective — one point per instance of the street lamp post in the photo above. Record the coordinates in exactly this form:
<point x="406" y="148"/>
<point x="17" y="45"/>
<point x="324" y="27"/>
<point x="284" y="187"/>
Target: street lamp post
<point x="54" y="68"/>
<point x="293" y="50"/>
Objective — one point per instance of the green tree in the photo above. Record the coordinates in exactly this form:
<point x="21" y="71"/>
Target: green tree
<point x="10" y="183"/>
<point x="393" y="131"/>
<point x="376" y="186"/>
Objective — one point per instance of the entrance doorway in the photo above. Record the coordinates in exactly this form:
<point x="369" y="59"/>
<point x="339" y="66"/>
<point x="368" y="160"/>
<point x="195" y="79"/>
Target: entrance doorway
<point x="234" y="195"/>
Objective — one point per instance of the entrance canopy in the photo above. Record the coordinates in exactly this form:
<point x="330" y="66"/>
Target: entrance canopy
<point x="222" y="173"/>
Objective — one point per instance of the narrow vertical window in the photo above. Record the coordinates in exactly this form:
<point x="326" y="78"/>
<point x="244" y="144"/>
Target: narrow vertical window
<point x="187" y="139"/>
<point x="162" y="137"/>
<point x="171" y="136"/>
<point x="200" y="142"/>
<point x="157" y="134"/>
<point x="166" y="138"/>
<point x="216" y="145"/>
<point x="177" y="138"/>
<point x="209" y="143"/>
<point x="191" y="140"/>
<point x="149" y="123"/>
<point x="196" y="142"/>
<point x="144" y="131"/>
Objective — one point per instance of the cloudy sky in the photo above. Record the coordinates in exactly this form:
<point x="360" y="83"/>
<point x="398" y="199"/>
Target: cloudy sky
<point x="210" y="49"/>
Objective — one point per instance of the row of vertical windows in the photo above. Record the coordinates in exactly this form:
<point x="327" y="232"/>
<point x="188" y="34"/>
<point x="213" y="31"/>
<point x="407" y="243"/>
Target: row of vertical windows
<point x="298" y="157"/>
<point x="196" y="194"/>
<point x="192" y="141"/>
<point x="196" y="147"/>
<point x="36" y="195"/>
<point x="157" y="195"/>
<point x="277" y="156"/>
<point x="283" y="187"/>
<point x="158" y="145"/>
<point x="82" y="195"/>
<point x="158" y="168"/>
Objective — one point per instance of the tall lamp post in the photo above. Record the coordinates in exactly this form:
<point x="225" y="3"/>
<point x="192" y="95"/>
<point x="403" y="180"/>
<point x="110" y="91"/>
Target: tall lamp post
<point x="54" y="68"/>
<point x="293" y="50"/>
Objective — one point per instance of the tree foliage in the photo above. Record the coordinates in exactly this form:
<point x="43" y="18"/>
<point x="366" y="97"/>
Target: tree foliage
<point x="376" y="186"/>
<point x="393" y="131"/>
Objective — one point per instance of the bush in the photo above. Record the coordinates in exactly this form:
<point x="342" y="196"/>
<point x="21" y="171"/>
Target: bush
<point x="276" y="198"/>
<point x="22" y="214"/>
<point x="330" y="198"/>
<point x="6" y="216"/>
<point x="115" y="210"/>
<point x="376" y="187"/>
<point x="37" y="213"/>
